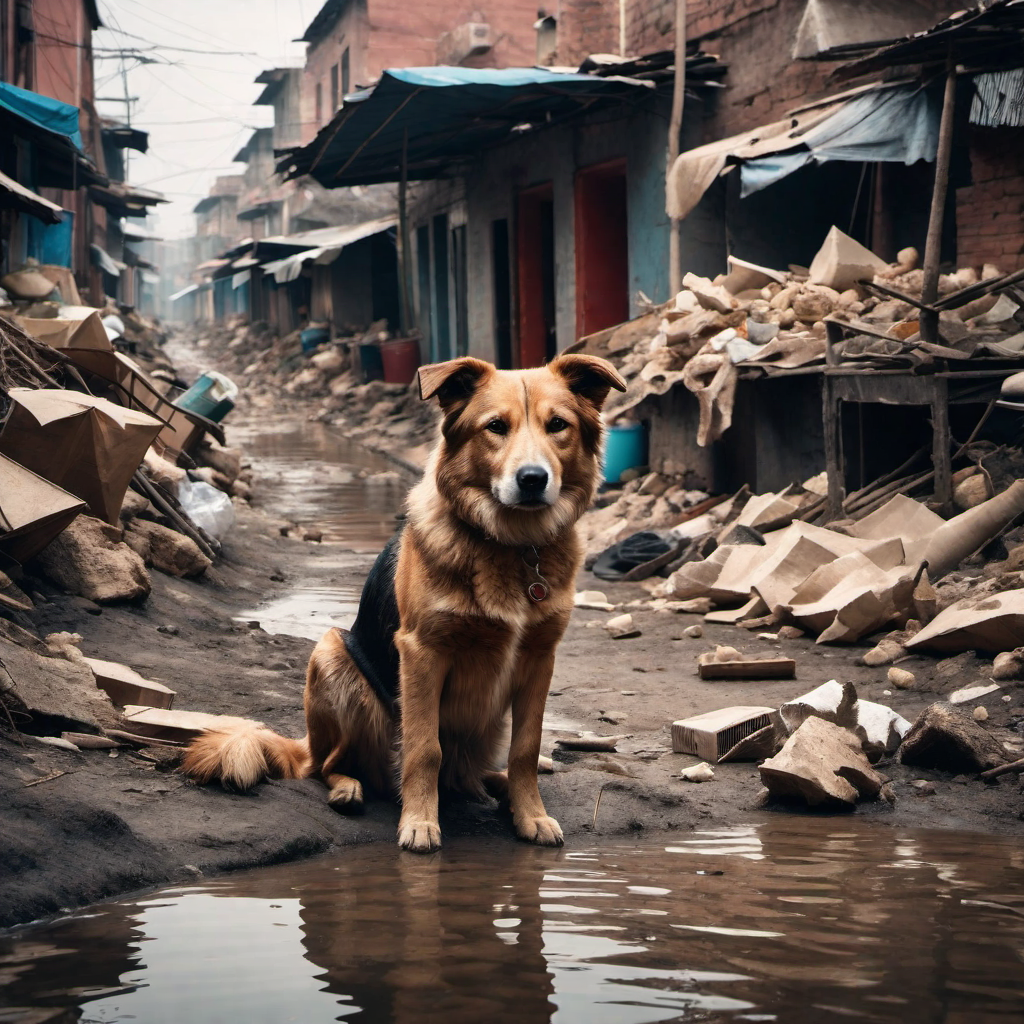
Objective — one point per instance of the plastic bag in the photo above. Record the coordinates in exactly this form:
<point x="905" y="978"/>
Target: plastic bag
<point x="211" y="510"/>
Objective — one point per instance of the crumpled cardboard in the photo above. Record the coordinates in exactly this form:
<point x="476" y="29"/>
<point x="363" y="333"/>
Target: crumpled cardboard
<point x="85" y="331"/>
<point x="32" y="511"/>
<point x="86" y="445"/>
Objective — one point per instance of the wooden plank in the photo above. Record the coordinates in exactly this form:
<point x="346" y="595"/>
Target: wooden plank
<point x="125" y="686"/>
<point x="175" y="725"/>
<point x="751" y="668"/>
<point x="941" y="460"/>
<point x="833" y="456"/>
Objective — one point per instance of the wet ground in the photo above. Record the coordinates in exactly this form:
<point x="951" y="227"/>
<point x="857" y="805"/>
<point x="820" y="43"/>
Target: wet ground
<point x="776" y="921"/>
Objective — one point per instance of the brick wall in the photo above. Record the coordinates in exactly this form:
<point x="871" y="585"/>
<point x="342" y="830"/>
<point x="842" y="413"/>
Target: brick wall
<point x="990" y="213"/>
<point x="586" y="27"/>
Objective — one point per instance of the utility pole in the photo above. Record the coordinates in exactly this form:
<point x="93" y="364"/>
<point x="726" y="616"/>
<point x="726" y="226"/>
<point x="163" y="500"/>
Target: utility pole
<point x="675" y="126"/>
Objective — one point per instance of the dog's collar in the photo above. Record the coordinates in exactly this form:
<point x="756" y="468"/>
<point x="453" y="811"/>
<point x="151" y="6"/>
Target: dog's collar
<point x="538" y="590"/>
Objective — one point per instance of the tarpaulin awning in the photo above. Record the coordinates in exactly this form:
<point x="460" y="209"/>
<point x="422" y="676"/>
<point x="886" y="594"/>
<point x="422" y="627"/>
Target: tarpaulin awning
<point x="137" y="234"/>
<point x="14" y="194"/>
<point x="42" y="111"/>
<point x="333" y="241"/>
<point x="892" y="124"/>
<point x="438" y="115"/>
<point x="242" y="277"/>
<point x="126" y="200"/>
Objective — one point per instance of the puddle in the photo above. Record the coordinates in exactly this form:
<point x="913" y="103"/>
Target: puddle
<point x="796" y="922"/>
<point x="310" y="475"/>
<point x="307" y="611"/>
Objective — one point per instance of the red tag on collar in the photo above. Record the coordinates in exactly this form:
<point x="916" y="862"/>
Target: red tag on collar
<point x="537" y="592"/>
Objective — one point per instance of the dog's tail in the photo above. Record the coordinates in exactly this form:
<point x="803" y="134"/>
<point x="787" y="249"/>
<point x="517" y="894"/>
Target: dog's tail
<point x="242" y="755"/>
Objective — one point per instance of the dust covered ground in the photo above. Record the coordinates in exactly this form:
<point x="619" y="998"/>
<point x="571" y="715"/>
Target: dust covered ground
<point x="113" y="824"/>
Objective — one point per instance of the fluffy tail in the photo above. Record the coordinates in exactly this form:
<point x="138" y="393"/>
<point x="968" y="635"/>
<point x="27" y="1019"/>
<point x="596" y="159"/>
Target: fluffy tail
<point x="244" y="754"/>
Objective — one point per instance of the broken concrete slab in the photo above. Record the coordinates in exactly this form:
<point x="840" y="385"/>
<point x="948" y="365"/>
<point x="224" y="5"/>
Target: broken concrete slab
<point x="994" y="623"/>
<point x="710" y="296"/>
<point x="51" y="695"/>
<point x="125" y="686"/>
<point x="946" y="738"/>
<point x="697" y="773"/>
<point x="717" y="733"/>
<point x="821" y="763"/>
<point x="842" y="261"/>
<point x="90" y="560"/>
<point x="176" y="726"/>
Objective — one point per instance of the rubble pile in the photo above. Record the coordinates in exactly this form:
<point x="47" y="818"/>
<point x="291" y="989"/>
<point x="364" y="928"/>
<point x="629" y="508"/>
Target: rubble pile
<point x="381" y="415"/>
<point x="849" y="307"/>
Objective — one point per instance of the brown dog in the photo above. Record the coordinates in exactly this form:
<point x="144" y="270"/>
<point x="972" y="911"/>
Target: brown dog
<point x="461" y="614"/>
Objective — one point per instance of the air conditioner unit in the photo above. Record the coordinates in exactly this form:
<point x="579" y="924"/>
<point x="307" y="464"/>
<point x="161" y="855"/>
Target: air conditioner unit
<point x="469" y="39"/>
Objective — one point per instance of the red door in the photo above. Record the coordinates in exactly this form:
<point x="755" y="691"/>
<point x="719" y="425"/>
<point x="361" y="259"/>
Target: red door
<point x="602" y="248"/>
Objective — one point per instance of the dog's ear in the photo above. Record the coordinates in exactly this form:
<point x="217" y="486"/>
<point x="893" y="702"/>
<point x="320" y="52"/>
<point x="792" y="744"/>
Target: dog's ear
<point x="590" y="377"/>
<point x="453" y="381"/>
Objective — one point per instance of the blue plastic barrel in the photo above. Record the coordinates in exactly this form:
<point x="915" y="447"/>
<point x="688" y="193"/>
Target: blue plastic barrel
<point x="314" y="337"/>
<point x="625" y="448"/>
<point x="212" y="396"/>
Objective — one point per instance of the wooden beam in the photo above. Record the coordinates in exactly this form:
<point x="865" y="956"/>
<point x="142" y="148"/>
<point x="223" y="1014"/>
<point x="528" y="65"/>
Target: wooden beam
<point x="933" y="244"/>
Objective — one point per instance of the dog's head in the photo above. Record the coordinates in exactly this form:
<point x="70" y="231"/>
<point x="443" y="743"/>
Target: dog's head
<point x="520" y="450"/>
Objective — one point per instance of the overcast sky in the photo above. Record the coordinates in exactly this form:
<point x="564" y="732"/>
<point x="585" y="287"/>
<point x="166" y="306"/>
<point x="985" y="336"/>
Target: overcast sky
<point x="197" y="107"/>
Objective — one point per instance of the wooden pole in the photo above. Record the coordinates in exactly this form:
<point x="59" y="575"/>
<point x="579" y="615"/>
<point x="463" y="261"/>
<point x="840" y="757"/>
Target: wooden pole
<point x="933" y="244"/>
<point x="674" y="130"/>
<point x="403" y="233"/>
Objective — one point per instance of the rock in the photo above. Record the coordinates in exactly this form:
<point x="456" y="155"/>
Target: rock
<point x="821" y="763"/>
<point x="810" y="307"/>
<point x="944" y="737"/>
<point x="315" y="536"/>
<point x="1009" y="664"/>
<point x="695" y="606"/>
<point x="842" y="261"/>
<point x="710" y="296"/>
<point x="923" y="787"/>
<point x="331" y="361"/>
<point x="53" y="693"/>
<point x="790" y="633"/>
<point x="227" y="461"/>
<point x="901" y="678"/>
<point x="613" y="717"/>
<point x="162" y="472"/>
<point x="592" y="600"/>
<point x="85" y="605"/>
<point x="619" y="623"/>
<point x="884" y="653"/>
<point x="165" y="549"/>
<point x="169" y="629"/>
<point x="133" y="505"/>
<point x="697" y="773"/>
<point x="971" y="489"/>
<point x="694" y="632"/>
<point x="90" y="560"/>
<point x="980" y="714"/>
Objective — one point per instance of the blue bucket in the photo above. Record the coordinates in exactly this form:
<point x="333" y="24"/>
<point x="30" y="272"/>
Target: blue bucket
<point x="212" y="396"/>
<point x="314" y="337"/>
<point x="625" y="448"/>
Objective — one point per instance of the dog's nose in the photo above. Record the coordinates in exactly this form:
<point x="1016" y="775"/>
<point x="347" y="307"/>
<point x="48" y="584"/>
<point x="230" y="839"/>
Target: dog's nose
<point x="532" y="480"/>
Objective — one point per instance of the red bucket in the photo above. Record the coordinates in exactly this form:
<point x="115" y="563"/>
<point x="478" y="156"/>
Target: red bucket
<point x="401" y="360"/>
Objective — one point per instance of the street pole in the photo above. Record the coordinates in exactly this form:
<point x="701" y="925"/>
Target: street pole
<point x="674" y="130"/>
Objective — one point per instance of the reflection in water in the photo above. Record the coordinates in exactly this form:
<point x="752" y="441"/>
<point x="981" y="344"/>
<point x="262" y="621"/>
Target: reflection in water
<point x="792" y="921"/>
<point x="309" y="475"/>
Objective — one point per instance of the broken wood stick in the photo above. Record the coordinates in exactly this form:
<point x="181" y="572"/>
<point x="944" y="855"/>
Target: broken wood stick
<point x="604" y="744"/>
<point x="747" y="668"/>
<point x="165" y="504"/>
<point x="1004" y="769"/>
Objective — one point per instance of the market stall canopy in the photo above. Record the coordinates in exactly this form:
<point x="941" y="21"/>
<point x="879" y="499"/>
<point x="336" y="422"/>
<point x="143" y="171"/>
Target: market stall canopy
<point x="437" y="115"/>
<point x="332" y="242"/>
<point x="14" y="195"/>
<point x="44" y="112"/>
<point x="125" y="200"/>
<point x="893" y="123"/>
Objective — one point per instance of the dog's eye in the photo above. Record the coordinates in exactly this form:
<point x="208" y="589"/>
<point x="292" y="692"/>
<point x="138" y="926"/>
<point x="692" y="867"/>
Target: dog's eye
<point x="556" y="425"/>
<point x="497" y="427"/>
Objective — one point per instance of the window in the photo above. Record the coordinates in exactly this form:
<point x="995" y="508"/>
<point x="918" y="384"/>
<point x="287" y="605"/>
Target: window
<point x="334" y="88"/>
<point x="319" y="104"/>
<point x="345" y="74"/>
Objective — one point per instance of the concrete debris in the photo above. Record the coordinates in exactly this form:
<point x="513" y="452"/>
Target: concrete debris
<point x="842" y="262"/>
<point x="1009" y="665"/>
<point x="980" y="714"/>
<point x="694" y="632"/>
<point x="821" y="763"/>
<point x="593" y="600"/>
<point x="728" y="665"/>
<point x="944" y="737"/>
<point x="967" y="694"/>
<point x="90" y="559"/>
<point x="588" y="742"/>
<point x="720" y="735"/>
<point x="901" y="678"/>
<point x="993" y="622"/>
<point x="697" y="773"/>
<point x="125" y="686"/>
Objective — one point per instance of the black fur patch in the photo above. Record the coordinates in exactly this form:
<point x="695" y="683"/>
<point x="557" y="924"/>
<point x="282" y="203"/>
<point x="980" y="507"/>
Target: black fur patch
<point x="371" y="640"/>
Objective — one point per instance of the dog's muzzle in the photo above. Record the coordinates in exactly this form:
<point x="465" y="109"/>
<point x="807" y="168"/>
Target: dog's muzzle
<point x="530" y="486"/>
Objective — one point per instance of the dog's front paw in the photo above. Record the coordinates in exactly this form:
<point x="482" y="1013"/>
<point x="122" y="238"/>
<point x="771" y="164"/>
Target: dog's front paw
<point x="419" y="836"/>
<point x="346" y="797"/>
<point x="542" y="831"/>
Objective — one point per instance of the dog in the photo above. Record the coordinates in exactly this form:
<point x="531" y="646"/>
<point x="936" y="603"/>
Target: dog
<point x="460" y="616"/>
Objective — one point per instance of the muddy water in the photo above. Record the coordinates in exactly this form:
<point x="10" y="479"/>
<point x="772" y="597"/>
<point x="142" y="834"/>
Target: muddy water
<point x="804" y="921"/>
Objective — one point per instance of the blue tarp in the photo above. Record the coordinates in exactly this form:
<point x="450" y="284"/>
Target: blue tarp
<point x="444" y="114"/>
<point x="49" y="114"/>
<point x="899" y="125"/>
<point x="51" y="243"/>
